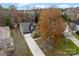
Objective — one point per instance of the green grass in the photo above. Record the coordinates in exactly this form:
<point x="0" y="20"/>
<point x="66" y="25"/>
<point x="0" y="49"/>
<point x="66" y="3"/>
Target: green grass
<point x="21" y="48"/>
<point x="69" y="47"/>
<point x="76" y="35"/>
<point x="64" y="47"/>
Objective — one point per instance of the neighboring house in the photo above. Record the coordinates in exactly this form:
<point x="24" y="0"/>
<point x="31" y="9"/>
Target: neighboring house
<point x="73" y="13"/>
<point x="74" y="26"/>
<point x="17" y="16"/>
<point x="77" y="24"/>
<point x="6" y="40"/>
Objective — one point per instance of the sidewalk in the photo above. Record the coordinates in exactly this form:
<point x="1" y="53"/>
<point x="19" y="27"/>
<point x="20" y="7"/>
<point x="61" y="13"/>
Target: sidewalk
<point x="36" y="51"/>
<point x="73" y="39"/>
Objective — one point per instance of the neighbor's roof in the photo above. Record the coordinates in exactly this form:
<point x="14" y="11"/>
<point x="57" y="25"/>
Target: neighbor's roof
<point x="4" y="32"/>
<point x="73" y="10"/>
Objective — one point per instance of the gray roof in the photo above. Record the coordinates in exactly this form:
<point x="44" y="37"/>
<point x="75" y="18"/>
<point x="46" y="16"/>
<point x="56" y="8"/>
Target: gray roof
<point x="4" y="32"/>
<point x="72" y="11"/>
<point x="77" y="21"/>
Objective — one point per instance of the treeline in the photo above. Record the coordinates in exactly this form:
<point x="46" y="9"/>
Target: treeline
<point x="12" y="17"/>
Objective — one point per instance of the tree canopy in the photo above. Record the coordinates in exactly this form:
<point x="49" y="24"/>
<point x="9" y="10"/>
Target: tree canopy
<point x="51" y="24"/>
<point x="12" y="7"/>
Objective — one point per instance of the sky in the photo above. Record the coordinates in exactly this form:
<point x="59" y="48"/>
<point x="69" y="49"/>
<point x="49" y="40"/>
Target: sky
<point x="39" y="5"/>
<point x="38" y="1"/>
<point x="29" y="4"/>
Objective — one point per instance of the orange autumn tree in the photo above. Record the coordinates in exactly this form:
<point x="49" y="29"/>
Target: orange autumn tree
<point x="51" y="24"/>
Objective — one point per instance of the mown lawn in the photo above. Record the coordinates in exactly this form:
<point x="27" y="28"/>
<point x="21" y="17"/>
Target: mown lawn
<point x="68" y="47"/>
<point x="64" y="47"/>
<point x="21" y="47"/>
<point x="76" y="35"/>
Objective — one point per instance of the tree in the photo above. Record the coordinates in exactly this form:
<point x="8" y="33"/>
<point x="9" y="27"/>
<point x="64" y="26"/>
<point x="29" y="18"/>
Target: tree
<point x="13" y="14"/>
<point x="66" y="17"/>
<point x="1" y="15"/>
<point x="51" y="25"/>
<point x="1" y="7"/>
<point x="7" y="22"/>
<point x="12" y="7"/>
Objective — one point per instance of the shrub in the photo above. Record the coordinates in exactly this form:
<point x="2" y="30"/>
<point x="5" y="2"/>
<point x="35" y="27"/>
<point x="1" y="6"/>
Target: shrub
<point x="7" y="22"/>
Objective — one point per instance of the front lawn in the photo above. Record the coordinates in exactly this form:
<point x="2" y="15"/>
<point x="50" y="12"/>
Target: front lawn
<point x="64" y="47"/>
<point x="76" y="35"/>
<point x="69" y="47"/>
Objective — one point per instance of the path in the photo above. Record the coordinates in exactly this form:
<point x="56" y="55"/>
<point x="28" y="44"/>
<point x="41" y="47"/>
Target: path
<point x="36" y="51"/>
<point x="73" y="39"/>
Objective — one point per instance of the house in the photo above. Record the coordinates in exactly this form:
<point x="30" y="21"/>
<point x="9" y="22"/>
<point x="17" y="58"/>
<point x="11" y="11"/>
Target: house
<point x="77" y="24"/>
<point x="74" y="26"/>
<point x="73" y="13"/>
<point x="6" y="40"/>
